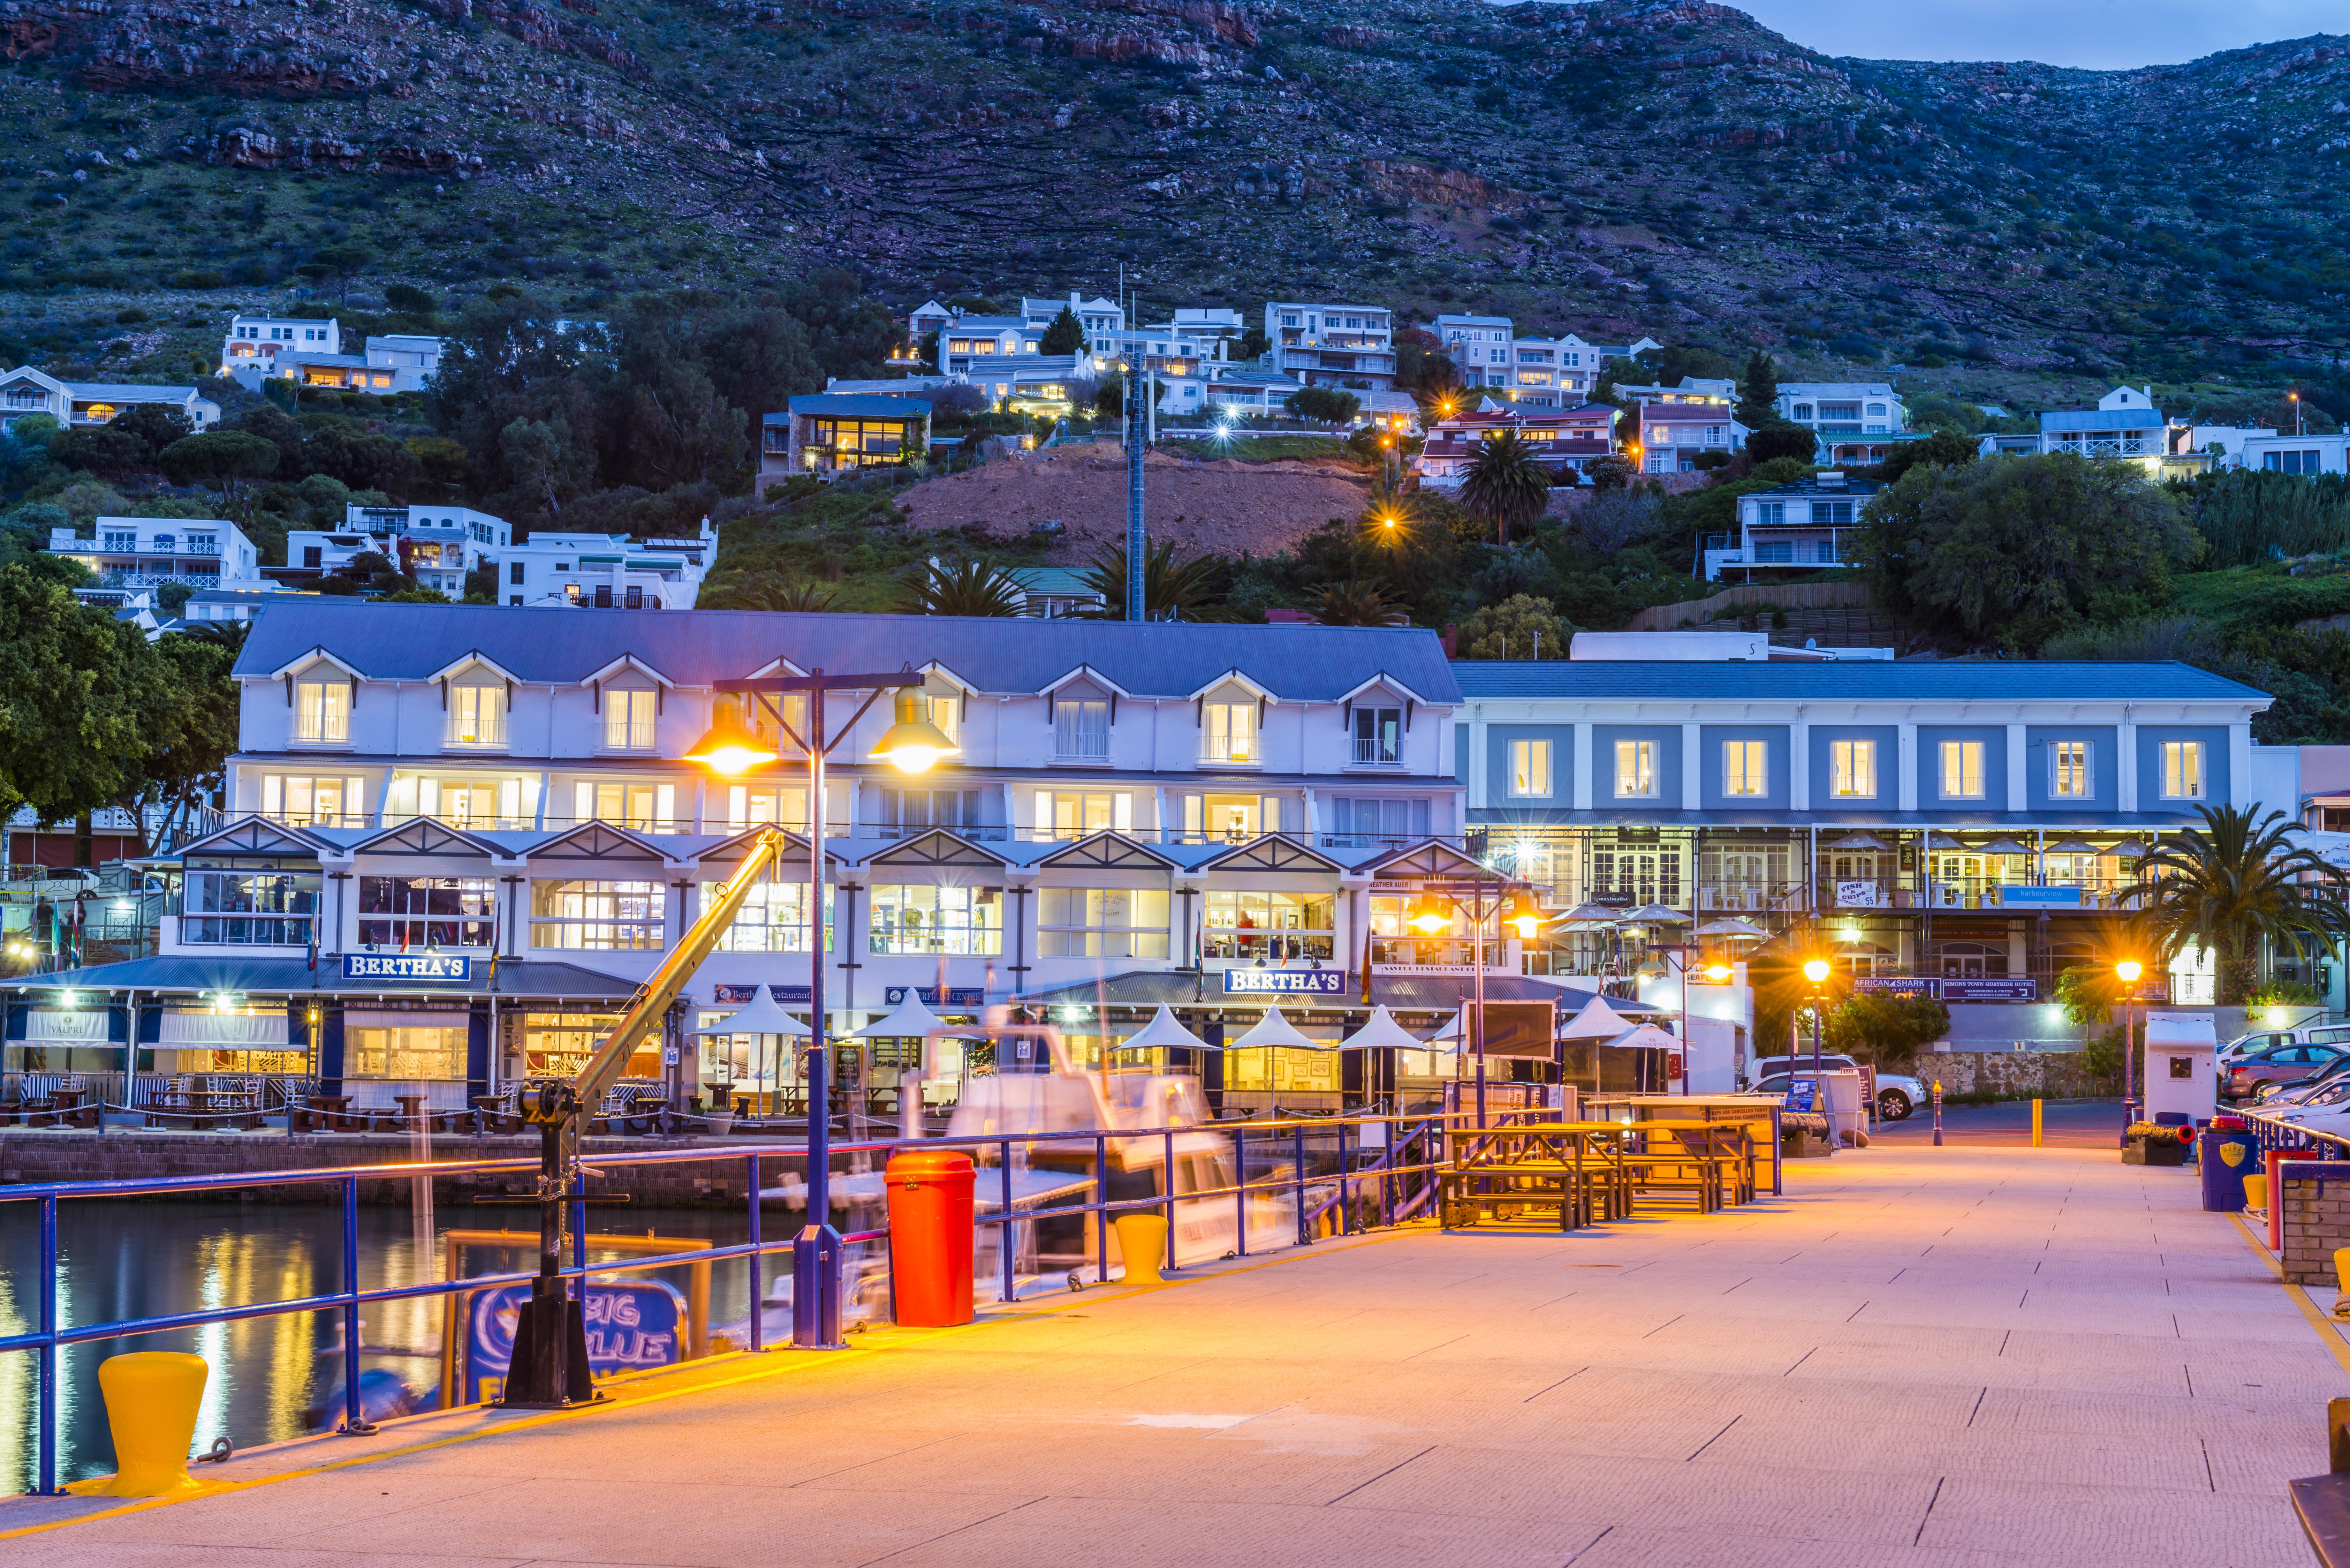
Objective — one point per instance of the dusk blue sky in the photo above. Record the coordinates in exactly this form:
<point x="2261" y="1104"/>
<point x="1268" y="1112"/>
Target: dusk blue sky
<point x="2102" y="35"/>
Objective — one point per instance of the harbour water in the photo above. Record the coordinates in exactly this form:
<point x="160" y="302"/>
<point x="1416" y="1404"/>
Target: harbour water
<point x="278" y="1377"/>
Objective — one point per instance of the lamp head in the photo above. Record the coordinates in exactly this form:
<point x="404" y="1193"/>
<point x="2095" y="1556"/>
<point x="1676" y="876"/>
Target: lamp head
<point x="913" y="743"/>
<point x="729" y="749"/>
<point x="2127" y="971"/>
<point x="1817" y="970"/>
<point x="1718" y="973"/>
<point x="1428" y="916"/>
<point x="1523" y="916"/>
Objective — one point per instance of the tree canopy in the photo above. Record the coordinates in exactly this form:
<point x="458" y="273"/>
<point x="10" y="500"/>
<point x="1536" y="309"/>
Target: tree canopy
<point x="1064" y="335"/>
<point x="2008" y="551"/>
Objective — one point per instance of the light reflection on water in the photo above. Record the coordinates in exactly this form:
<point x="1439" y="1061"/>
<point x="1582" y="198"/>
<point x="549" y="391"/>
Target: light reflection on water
<point x="271" y="1378"/>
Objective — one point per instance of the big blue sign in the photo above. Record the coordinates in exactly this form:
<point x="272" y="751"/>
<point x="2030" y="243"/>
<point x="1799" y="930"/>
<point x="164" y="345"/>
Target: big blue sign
<point x="628" y="1327"/>
<point x="408" y="966"/>
<point x="1284" y="983"/>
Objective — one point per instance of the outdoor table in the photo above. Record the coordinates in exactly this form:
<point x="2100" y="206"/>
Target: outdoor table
<point x="411" y="1111"/>
<point x="1728" y="1147"/>
<point x="325" y="1113"/>
<point x="1582" y="1160"/>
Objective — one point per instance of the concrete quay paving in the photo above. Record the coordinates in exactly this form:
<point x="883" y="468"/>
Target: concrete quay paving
<point x="1964" y="1355"/>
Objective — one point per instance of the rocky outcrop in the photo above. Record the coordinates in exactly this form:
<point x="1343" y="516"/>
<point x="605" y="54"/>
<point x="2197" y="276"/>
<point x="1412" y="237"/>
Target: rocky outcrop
<point x="244" y="148"/>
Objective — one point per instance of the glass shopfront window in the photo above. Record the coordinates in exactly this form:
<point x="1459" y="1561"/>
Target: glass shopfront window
<point x="924" y="918"/>
<point x="1274" y="926"/>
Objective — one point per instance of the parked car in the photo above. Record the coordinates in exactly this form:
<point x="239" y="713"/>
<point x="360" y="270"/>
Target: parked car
<point x="2240" y="1078"/>
<point x="2261" y="1040"/>
<point x="2299" y="1091"/>
<point x="1897" y="1093"/>
<point x="2326" y="1108"/>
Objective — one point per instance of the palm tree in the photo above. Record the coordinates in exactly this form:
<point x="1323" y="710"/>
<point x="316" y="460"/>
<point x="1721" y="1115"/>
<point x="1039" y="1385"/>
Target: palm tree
<point x="1506" y="483"/>
<point x="965" y="585"/>
<point x="1172" y="589"/>
<point x="1356" y="603"/>
<point x="2233" y="884"/>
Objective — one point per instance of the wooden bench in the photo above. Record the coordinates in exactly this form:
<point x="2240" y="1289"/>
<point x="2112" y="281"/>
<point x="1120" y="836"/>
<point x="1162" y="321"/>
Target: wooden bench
<point x="1551" y="1190"/>
<point x="2323" y="1503"/>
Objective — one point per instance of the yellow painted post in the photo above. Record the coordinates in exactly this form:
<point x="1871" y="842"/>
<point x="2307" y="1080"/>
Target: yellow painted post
<point x="1142" y="1244"/>
<point x="2035" y="1124"/>
<point x="152" y="1399"/>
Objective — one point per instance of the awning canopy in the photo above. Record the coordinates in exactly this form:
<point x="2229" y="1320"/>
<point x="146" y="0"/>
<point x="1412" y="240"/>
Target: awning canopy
<point x="763" y="1016"/>
<point x="1733" y="930"/>
<point x="1598" y="1020"/>
<point x="1381" y="1032"/>
<point x="1272" y="1029"/>
<point x="910" y="1020"/>
<point x="1164" y="1032"/>
<point x="1646" y="1035"/>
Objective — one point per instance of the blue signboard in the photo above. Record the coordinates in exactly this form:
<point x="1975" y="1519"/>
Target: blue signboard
<point x="2011" y="988"/>
<point x="628" y="1326"/>
<point x="1285" y="982"/>
<point x="1800" y="1095"/>
<point x="2040" y="898"/>
<point x="965" y="996"/>
<point x="408" y="966"/>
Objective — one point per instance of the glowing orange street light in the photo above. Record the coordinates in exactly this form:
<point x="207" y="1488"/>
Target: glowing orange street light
<point x="1428" y="916"/>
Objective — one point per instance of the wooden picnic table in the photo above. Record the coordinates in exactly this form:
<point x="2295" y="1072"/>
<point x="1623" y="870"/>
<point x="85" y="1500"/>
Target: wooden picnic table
<point x="1593" y="1168"/>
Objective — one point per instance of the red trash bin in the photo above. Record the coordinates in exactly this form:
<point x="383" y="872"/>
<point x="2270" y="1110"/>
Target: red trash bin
<point x="931" y="1230"/>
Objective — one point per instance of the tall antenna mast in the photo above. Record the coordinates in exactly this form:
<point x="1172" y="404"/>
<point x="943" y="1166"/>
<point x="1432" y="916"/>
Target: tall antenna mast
<point x="1136" y="443"/>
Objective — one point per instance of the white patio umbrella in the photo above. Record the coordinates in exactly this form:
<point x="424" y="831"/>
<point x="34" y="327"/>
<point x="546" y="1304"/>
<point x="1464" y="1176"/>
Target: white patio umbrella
<point x="1733" y="930"/>
<point x="1164" y="1032"/>
<point x="1272" y="1029"/>
<point x="2000" y="847"/>
<point x="2077" y="846"/>
<point x="1592" y="912"/>
<point x="1598" y="1020"/>
<point x="760" y="1017"/>
<point x="1653" y="914"/>
<point x="1453" y="1029"/>
<point x="1381" y="1032"/>
<point x="910" y="1020"/>
<point x="1646" y="1035"/>
<point x="1859" y="841"/>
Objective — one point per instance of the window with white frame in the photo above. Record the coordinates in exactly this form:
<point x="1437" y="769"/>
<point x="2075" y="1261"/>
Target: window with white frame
<point x="1852" y="769"/>
<point x="310" y="799"/>
<point x="1254" y="925"/>
<point x="1073" y="814"/>
<point x="925" y="918"/>
<point x="1963" y="770"/>
<point x="1769" y="513"/>
<point x="646" y="807"/>
<point x="2182" y="770"/>
<point x="1635" y="769"/>
<point x="773" y="918"/>
<point x="629" y="719"/>
<point x="472" y="802"/>
<point x="1746" y="768"/>
<point x="1081" y="728"/>
<point x="477" y="715"/>
<point x="1530" y="767"/>
<point x="322" y="709"/>
<point x="407" y="913"/>
<point x="760" y="805"/>
<point x="1378" y="735"/>
<point x="2072" y="769"/>
<point x="1228" y="731"/>
<point x="1101" y="923"/>
<point x="598" y="916"/>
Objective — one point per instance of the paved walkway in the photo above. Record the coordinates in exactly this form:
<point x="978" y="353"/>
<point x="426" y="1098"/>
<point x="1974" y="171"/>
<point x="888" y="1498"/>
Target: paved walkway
<point x="1929" y="1357"/>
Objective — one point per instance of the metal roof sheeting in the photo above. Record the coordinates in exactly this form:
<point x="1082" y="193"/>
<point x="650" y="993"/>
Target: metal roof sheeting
<point x="1854" y="681"/>
<point x="695" y="647"/>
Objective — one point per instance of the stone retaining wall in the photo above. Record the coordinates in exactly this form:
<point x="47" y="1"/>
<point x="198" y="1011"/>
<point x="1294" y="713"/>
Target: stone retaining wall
<point x="2051" y="1075"/>
<point x="2317" y="1221"/>
<point x="30" y="1155"/>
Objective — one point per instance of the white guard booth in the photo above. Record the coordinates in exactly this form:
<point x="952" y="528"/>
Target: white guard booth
<point x="2180" y="1072"/>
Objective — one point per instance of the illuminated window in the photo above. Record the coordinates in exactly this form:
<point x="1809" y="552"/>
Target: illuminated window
<point x="1745" y="768"/>
<point x="304" y="800"/>
<point x="406" y="912"/>
<point x="1852" y="769"/>
<point x="322" y="710"/>
<point x="1099" y="922"/>
<point x="1635" y="769"/>
<point x="593" y="915"/>
<point x="1230" y="732"/>
<point x="2072" y="768"/>
<point x="1530" y="767"/>
<point x="477" y="715"/>
<point x="2182" y="770"/>
<point x="1963" y="770"/>
<point x="1276" y="926"/>
<point x="773" y="919"/>
<point x="924" y="918"/>
<point x="628" y="721"/>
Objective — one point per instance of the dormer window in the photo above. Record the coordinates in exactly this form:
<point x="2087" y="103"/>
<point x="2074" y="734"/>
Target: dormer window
<point x="477" y="713"/>
<point x="1228" y="731"/>
<point x="629" y="719"/>
<point x="322" y="707"/>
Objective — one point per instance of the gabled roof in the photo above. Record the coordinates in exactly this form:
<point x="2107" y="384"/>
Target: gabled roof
<point x="734" y="847"/>
<point x="1383" y="679"/>
<point x="598" y="841"/>
<point x="1238" y="676"/>
<point x="555" y="646"/>
<point x="302" y="660"/>
<point x="621" y="666"/>
<point x="1271" y="853"/>
<point x="1105" y="851"/>
<point x="256" y="835"/>
<point x="1082" y="672"/>
<point x="939" y="847"/>
<point x="1432" y="858"/>
<point x="423" y="835"/>
<point x="466" y="660"/>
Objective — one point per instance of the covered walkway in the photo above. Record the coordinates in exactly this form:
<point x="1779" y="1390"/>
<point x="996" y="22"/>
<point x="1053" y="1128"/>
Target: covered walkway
<point x="1927" y="1356"/>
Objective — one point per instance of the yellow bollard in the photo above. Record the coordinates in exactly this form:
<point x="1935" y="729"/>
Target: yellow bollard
<point x="2035" y="1124"/>
<point x="1142" y="1243"/>
<point x="151" y="1397"/>
<point x="2341" y="1278"/>
<point x="2256" y="1192"/>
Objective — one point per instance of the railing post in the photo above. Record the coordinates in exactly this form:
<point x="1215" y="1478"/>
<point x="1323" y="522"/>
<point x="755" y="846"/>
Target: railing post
<point x="1345" y="1187"/>
<point x="1167" y="1192"/>
<point x="1008" y="1232"/>
<point x="1101" y="1214"/>
<point x="47" y="1484"/>
<point x="1240" y="1196"/>
<point x="354" y="1424"/>
<point x="758" y="1263"/>
<point x="1297" y="1181"/>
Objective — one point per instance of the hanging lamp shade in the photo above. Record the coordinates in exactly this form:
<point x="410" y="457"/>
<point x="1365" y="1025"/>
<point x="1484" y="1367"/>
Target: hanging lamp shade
<point x="910" y="1020"/>
<point x="1272" y="1029"/>
<point x="1165" y="1031"/>
<point x="912" y="743"/>
<point x="1598" y="1020"/>
<point x="762" y="1016"/>
<point x="1381" y="1032"/>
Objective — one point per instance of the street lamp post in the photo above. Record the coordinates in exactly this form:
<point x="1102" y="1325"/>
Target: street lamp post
<point x="1428" y="916"/>
<point x="911" y="744"/>
<point x="1816" y="970"/>
<point x="2127" y="972"/>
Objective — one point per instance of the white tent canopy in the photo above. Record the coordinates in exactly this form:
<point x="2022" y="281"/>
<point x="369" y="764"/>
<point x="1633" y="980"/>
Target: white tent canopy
<point x="1164" y="1032"/>
<point x="1740" y="930"/>
<point x="1598" y="1020"/>
<point x="1644" y="1035"/>
<point x="1381" y="1032"/>
<point x="1272" y="1029"/>
<point x="1454" y="1029"/>
<point x="760" y="1017"/>
<point x="910" y="1020"/>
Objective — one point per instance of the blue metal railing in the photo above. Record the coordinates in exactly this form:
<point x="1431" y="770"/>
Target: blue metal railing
<point x="1289" y="1137"/>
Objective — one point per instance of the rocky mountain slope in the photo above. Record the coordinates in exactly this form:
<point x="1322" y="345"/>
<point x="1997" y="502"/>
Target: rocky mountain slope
<point x="1671" y="167"/>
